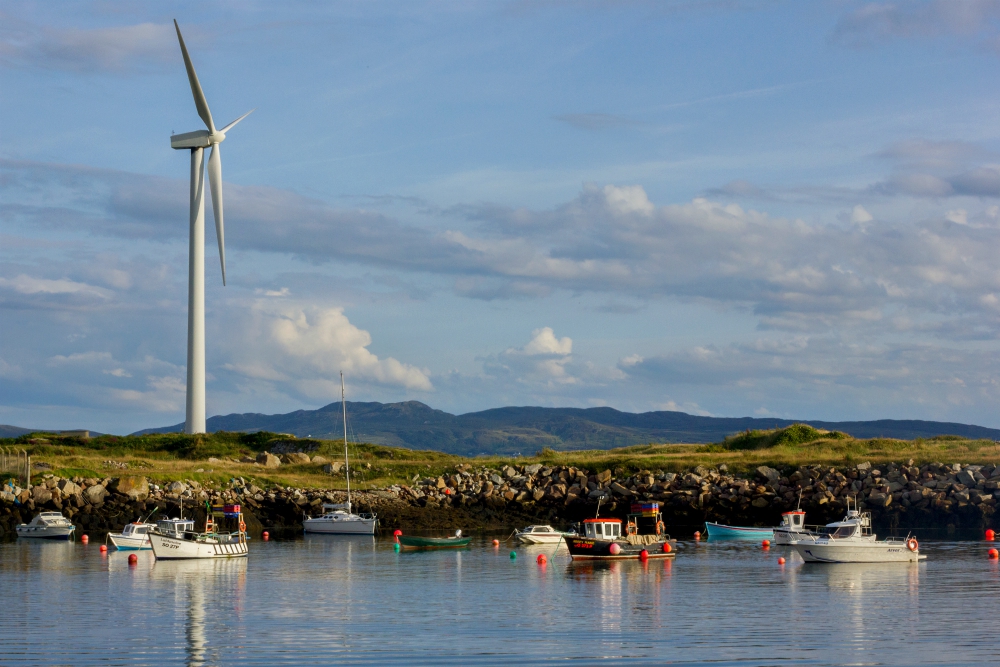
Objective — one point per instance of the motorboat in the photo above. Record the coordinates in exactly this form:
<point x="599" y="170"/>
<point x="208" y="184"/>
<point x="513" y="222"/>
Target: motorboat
<point x="851" y="541"/>
<point x="644" y="537"/>
<point x="337" y="519"/>
<point x="134" y="536"/>
<point x="177" y="539"/>
<point x="47" y="526"/>
<point x="456" y="541"/>
<point x="792" y="526"/>
<point x="541" y="535"/>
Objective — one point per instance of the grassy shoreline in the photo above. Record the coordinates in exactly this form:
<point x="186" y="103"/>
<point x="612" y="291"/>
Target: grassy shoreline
<point x="170" y="457"/>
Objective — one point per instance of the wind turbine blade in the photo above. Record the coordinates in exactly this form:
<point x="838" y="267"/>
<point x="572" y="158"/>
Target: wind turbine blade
<point x="199" y="95"/>
<point x="233" y="124"/>
<point x="215" y="180"/>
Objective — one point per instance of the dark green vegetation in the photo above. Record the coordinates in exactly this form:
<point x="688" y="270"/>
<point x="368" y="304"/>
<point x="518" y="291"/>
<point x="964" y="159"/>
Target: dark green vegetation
<point x="526" y="430"/>
<point x="796" y="434"/>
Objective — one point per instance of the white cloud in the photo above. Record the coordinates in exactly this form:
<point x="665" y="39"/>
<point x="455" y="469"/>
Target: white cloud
<point x="307" y="346"/>
<point x="860" y="215"/>
<point x="628" y="199"/>
<point x="544" y="341"/>
<point x="116" y="48"/>
<point x="165" y="394"/>
<point x="25" y="284"/>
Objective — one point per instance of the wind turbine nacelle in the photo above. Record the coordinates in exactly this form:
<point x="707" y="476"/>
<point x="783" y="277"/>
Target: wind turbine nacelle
<point x="196" y="139"/>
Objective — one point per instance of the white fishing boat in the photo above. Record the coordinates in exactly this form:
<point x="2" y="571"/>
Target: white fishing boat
<point x="47" y="526"/>
<point x="337" y="519"/>
<point x="176" y="539"/>
<point x="792" y="526"/>
<point x="135" y="536"/>
<point x="851" y="541"/>
<point x="541" y="535"/>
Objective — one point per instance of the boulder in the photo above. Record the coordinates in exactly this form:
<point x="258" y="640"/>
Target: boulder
<point x="966" y="477"/>
<point x="176" y="487"/>
<point x="268" y="460"/>
<point x="532" y="469"/>
<point x="319" y="459"/>
<point x="41" y="495"/>
<point x="333" y="467"/>
<point x="762" y="502"/>
<point x="133" y="486"/>
<point x="619" y="489"/>
<point x="770" y="474"/>
<point x="604" y="477"/>
<point x="864" y="467"/>
<point x="68" y="488"/>
<point x="295" y="458"/>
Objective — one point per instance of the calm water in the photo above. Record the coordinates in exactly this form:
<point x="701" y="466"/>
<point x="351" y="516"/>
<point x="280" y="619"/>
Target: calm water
<point x="325" y="600"/>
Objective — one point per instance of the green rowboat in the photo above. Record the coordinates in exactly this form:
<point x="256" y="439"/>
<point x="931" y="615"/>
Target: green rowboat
<point x="412" y="542"/>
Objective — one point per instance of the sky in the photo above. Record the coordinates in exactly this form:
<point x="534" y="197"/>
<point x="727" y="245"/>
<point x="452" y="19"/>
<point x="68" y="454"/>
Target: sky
<point x="731" y="208"/>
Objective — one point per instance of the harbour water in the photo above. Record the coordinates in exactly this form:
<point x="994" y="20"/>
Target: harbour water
<point x="327" y="600"/>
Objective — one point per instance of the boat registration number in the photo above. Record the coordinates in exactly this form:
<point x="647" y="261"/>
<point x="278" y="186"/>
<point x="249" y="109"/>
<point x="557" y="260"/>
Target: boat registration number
<point x="583" y="545"/>
<point x="171" y="545"/>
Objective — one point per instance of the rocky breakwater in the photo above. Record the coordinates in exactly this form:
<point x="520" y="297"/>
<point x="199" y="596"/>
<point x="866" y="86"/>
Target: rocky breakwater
<point x="940" y="500"/>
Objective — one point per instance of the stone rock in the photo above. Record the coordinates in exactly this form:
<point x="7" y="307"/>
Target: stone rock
<point x="538" y="494"/>
<point x="769" y="473"/>
<point x="966" y="477"/>
<point x="332" y="468"/>
<point x="212" y="459"/>
<point x="604" y="477"/>
<point x="41" y="494"/>
<point x="532" y="469"/>
<point x="598" y="493"/>
<point x="133" y="486"/>
<point x="68" y="488"/>
<point x="295" y="458"/>
<point x="268" y="460"/>
<point x="509" y="472"/>
<point x="619" y="489"/>
<point x="760" y="502"/>
<point x="669" y="477"/>
<point x="879" y="499"/>
<point x="320" y="459"/>
<point x="176" y="487"/>
<point x="864" y="467"/>
<point x="701" y="471"/>
<point x="7" y="496"/>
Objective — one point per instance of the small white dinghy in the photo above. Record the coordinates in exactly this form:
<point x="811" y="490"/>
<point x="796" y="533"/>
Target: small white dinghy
<point x="47" y="526"/>
<point x="134" y="537"/>
<point x="852" y="541"/>
<point x="541" y="535"/>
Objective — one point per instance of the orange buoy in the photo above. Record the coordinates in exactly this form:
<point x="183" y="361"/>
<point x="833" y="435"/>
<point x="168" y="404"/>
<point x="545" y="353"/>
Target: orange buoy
<point x="993" y="553"/>
<point x="265" y="535"/>
<point x="990" y="535"/>
<point x="84" y="539"/>
<point x="132" y="559"/>
<point x="541" y="559"/>
<point x="781" y="560"/>
<point x="765" y="543"/>
<point x="447" y="492"/>
<point x="697" y="535"/>
<point x="615" y="549"/>
<point x="397" y="532"/>
<point x="103" y="548"/>
<point x="643" y="555"/>
<point x="496" y="543"/>
<point x="666" y="547"/>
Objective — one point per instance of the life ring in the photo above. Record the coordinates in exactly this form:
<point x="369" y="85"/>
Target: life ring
<point x="660" y="528"/>
<point x="911" y="544"/>
<point x="631" y="528"/>
<point x="243" y="527"/>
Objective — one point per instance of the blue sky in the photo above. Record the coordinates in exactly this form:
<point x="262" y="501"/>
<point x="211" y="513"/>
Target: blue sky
<point x="729" y="208"/>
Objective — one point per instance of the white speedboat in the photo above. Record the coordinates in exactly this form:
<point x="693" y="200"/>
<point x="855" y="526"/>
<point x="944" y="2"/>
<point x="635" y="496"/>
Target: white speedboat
<point x="541" y="535"/>
<point x="176" y="539"/>
<point x="339" y="520"/>
<point x="852" y="541"/>
<point x="47" y="526"/>
<point x="135" y="536"/>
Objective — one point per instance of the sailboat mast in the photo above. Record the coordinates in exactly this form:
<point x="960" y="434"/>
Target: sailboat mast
<point x="347" y="471"/>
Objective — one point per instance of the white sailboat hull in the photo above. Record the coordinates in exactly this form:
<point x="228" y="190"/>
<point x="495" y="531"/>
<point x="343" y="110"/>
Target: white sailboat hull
<point x="170" y="548"/>
<point x="874" y="552"/>
<point x="123" y="543"/>
<point x="541" y="538"/>
<point x="339" y="527"/>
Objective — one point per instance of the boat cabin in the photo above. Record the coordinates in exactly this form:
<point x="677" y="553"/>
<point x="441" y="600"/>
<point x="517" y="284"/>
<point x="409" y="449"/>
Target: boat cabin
<point x="50" y="518"/>
<point x="602" y="529"/>
<point x="540" y="529"/>
<point x="136" y="530"/>
<point x="793" y="521"/>
<point x="855" y="524"/>
<point x="174" y="527"/>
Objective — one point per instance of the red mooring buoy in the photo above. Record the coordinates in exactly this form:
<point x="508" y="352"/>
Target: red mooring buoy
<point x="496" y="543"/>
<point x="84" y="539"/>
<point x="993" y="553"/>
<point x="667" y="548"/>
<point x="265" y="536"/>
<point x="542" y="559"/>
<point x="643" y="555"/>
<point x="697" y="535"/>
<point x="132" y="559"/>
<point x="990" y="535"/>
<point x="103" y="548"/>
<point x="781" y="560"/>
<point x="765" y="543"/>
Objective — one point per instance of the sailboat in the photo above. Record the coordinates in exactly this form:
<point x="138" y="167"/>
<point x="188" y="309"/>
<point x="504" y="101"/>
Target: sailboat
<point x="337" y="519"/>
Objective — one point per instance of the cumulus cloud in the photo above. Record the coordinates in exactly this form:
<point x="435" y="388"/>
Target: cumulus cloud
<point x="116" y="48"/>
<point x="307" y="346"/>
<point x="544" y="341"/>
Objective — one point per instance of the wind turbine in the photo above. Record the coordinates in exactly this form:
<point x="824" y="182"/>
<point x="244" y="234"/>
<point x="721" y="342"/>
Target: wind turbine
<point x="197" y="142"/>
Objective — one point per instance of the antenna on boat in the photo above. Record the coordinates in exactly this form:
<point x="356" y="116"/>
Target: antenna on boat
<point x="347" y="470"/>
<point x="798" y="505"/>
<point x="598" y="513"/>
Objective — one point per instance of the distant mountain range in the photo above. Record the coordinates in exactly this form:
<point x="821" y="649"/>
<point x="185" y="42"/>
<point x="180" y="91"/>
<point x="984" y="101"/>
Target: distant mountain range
<point x="527" y="429"/>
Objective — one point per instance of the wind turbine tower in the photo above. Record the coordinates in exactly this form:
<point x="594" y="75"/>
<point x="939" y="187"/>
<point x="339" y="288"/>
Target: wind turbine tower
<point x="197" y="142"/>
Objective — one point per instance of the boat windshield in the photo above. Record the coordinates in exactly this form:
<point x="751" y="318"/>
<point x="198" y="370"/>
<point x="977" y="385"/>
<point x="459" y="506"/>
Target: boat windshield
<point x="843" y="531"/>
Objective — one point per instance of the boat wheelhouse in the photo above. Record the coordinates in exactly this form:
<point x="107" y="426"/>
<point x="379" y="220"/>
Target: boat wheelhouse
<point x="47" y="526"/>
<point x="793" y="524"/>
<point x="135" y="536"/>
